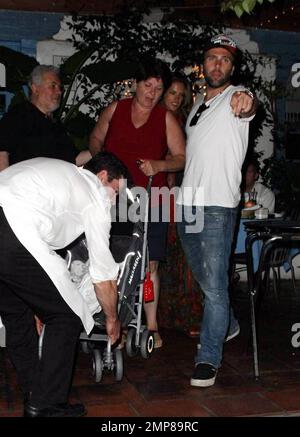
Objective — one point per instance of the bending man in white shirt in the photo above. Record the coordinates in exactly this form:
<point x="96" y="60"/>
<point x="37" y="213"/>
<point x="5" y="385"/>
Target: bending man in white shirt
<point x="45" y="205"/>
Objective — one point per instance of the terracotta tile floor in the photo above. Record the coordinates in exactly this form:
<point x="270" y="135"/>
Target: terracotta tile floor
<point x="159" y="386"/>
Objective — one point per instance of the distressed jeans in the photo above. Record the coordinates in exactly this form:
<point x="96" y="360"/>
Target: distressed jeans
<point x="208" y="255"/>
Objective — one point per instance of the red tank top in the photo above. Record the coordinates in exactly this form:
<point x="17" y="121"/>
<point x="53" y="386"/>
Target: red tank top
<point x="128" y="143"/>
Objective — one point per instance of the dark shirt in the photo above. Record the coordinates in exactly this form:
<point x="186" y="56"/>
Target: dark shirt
<point x="25" y="133"/>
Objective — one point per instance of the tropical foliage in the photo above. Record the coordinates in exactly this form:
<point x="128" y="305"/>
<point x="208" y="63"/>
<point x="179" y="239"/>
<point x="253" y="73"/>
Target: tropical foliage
<point x="241" y="6"/>
<point x="107" y="52"/>
<point x="118" y="44"/>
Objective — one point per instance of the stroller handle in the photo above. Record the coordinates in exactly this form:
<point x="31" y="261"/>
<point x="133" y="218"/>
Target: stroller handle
<point x="148" y="188"/>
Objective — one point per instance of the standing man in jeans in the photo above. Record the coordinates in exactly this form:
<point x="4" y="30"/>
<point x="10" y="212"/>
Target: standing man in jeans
<point x="217" y="140"/>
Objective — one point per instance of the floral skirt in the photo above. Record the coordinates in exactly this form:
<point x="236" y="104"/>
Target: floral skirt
<point x="180" y="304"/>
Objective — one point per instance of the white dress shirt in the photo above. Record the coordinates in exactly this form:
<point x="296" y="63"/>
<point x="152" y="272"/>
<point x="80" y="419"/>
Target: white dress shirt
<point x="48" y="204"/>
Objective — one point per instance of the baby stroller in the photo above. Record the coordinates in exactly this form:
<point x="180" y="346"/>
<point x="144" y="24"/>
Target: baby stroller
<point x="132" y="254"/>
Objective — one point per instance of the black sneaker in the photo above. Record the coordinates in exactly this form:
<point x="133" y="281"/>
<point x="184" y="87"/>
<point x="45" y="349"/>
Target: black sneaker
<point x="204" y="375"/>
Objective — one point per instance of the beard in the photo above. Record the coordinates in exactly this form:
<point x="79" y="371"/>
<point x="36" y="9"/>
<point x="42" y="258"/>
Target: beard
<point x="217" y="83"/>
<point x="55" y="106"/>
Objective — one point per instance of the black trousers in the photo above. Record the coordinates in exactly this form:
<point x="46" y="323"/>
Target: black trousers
<point x="26" y="290"/>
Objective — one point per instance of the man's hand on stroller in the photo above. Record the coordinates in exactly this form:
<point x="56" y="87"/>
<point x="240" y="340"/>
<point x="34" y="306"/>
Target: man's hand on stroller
<point x="107" y="295"/>
<point x="113" y="329"/>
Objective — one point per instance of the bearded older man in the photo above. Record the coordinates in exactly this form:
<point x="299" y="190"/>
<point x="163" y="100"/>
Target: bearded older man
<point x="29" y="130"/>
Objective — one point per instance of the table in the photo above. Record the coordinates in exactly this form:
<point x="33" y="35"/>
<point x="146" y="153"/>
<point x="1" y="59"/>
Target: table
<point x="273" y="233"/>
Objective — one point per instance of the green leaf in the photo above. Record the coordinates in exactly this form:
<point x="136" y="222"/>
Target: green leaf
<point x="227" y="5"/>
<point x="238" y="10"/>
<point x="248" y="5"/>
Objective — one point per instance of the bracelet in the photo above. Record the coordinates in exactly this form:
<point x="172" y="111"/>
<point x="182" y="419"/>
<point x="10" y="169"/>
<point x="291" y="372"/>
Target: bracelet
<point x="249" y="93"/>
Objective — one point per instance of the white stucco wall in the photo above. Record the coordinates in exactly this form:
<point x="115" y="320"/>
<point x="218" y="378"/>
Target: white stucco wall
<point x="53" y="52"/>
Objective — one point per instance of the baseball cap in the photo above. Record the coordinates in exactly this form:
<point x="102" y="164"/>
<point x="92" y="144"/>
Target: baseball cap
<point x="223" y="41"/>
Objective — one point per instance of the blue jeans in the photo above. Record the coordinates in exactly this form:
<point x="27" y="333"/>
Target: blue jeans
<point x="208" y="254"/>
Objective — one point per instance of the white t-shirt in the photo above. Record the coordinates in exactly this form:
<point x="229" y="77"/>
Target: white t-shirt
<point x="216" y="148"/>
<point x="48" y="204"/>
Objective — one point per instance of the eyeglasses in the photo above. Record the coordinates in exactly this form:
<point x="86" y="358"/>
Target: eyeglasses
<point x="196" y="117"/>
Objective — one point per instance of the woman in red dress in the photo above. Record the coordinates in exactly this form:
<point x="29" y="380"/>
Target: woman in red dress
<point x="140" y="130"/>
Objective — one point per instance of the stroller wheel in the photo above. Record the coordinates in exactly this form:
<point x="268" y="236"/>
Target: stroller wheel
<point x="118" y="369"/>
<point x="131" y="348"/>
<point x="147" y="343"/>
<point x="97" y="365"/>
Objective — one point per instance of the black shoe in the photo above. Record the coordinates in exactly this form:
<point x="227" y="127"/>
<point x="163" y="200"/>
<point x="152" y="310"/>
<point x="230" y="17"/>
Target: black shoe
<point x="204" y="375"/>
<point x="57" y="410"/>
